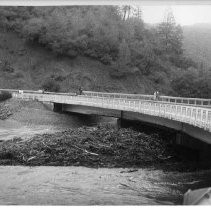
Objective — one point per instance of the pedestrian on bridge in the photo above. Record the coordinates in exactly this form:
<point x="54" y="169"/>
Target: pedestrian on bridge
<point x="80" y="91"/>
<point x="156" y="95"/>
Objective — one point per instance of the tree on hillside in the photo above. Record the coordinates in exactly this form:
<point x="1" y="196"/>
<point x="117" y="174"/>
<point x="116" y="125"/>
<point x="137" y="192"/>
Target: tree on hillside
<point x="137" y="12"/>
<point x="125" y="11"/>
<point x="128" y="11"/>
<point x="121" y="65"/>
<point x="124" y="56"/>
<point x="191" y="83"/>
<point x="170" y="35"/>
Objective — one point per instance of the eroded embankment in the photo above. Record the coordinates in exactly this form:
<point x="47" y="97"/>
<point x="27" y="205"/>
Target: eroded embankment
<point x="11" y="106"/>
<point x="5" y="112"/>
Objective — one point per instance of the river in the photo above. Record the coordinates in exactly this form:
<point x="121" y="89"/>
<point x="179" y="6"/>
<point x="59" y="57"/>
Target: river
<point x="39" y="118"/>
<point x="80" y="185"/>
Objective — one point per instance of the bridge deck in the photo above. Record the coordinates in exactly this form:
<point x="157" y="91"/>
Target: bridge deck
<point x="183" y="111"/>
<point x="199" y="102"/>
<point x="195" y="115"/>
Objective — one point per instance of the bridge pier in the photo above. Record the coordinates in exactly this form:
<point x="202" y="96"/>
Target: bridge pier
<point x="120" y="120"/>
<point x="57" y="107"/>
<point x="179" y="138"/>
<point x="119" y="123"/>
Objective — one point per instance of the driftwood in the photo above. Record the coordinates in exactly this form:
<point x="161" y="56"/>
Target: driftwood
<point x="103" y="146"/>
<point x="84" y="150"/>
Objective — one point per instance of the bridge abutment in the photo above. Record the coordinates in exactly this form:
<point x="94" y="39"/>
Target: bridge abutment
<point x="119" y="123"/>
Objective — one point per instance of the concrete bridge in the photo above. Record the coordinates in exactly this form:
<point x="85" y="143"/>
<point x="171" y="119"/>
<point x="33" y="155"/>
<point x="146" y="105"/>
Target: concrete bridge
<point x="191" y="116"/>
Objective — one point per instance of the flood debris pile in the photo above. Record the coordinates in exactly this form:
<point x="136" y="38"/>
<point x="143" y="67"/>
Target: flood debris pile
<point x="103" y="146"/>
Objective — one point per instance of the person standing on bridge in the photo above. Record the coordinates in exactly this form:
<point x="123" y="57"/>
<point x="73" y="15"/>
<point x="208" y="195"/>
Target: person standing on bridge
<point x="80" y="91"/>
<point x="156" y="95"/>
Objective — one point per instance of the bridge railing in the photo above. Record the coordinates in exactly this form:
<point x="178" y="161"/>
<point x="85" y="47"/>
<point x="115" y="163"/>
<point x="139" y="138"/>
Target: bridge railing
<point x="13" y="91"/>
<point x="171" y="99"/>
<point x="194" y="115"/>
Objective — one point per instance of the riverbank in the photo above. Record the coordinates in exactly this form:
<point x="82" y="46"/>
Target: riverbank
<point x="5" y="112"/>
<point x="10" y="106"/>
<point x="48" y="185"/>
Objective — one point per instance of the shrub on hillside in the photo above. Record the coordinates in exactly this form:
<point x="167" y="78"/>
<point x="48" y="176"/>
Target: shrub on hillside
<point x="51" y="85"/>
<point x="106" y="59"/>
<point x="72" y="53"/>
<point x="18" y="75"/>
<point x="193" y="84"/>
<point x="6" y="66"/>
<point x="183" y="62"/>
<point x="58" y="78"/>
<point x="117" y="74"/>
<point x="4" y="95"/>
<point x="158" y="77"/>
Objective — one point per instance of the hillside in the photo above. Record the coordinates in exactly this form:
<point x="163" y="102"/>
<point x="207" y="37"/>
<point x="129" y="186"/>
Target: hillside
<point x="30" y="65"/>
<point x="97" y="48"/>
<point x="197" y="42"/>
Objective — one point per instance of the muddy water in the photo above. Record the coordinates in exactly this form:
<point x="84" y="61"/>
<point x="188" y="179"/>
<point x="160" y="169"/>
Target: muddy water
<point x="10" y="128"/>
<point x="40" y="118"/>
<point x="85" y="186"/>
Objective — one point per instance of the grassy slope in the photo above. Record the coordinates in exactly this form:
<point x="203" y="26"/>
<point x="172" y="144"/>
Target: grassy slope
<point x="32" y="64"/>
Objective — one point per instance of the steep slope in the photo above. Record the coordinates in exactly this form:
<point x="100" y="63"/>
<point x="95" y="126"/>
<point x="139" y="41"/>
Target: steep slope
<point x="27" y="66"/>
